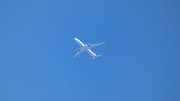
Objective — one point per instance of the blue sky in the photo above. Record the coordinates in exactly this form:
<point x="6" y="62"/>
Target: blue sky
<point x="140" y="59"/>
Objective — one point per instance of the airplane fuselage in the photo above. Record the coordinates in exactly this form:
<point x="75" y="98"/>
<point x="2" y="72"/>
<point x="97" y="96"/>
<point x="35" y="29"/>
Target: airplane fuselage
<point x="86" y="48"/>
<point x="78" y="42"/>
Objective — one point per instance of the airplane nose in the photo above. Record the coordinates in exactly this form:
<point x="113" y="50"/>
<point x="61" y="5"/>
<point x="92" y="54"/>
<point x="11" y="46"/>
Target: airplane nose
<point x="75" y="38"/>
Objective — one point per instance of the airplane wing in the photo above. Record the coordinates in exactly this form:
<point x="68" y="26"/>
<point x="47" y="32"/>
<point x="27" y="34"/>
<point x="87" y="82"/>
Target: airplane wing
<point x="77" y="53"/>
<point x="95" y="45"/>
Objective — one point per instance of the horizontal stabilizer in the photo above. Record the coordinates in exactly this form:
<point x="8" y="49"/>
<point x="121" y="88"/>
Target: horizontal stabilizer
<point x="96" y="57"/>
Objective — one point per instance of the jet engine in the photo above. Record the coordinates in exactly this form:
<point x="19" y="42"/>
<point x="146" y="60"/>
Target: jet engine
<point x="78" y="49"/>
<point x="88" y="45"/>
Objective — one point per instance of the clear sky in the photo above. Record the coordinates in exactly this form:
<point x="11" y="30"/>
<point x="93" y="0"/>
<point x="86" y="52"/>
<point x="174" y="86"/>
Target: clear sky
<point x="140" y="59"/>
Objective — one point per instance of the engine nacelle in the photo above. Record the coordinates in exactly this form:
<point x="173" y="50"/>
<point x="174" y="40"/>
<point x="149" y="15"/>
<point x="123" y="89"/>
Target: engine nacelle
<point x="88" y="45"/>
<point x="78" y="49"/>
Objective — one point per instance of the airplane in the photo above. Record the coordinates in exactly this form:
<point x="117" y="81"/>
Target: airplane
<point x="86" y="48"/>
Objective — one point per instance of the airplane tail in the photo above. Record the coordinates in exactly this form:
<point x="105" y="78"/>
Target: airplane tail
<point x="96" y="57"/>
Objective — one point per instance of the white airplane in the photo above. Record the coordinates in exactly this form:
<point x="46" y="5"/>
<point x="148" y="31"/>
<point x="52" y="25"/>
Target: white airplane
<point x="86" y="48"/>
